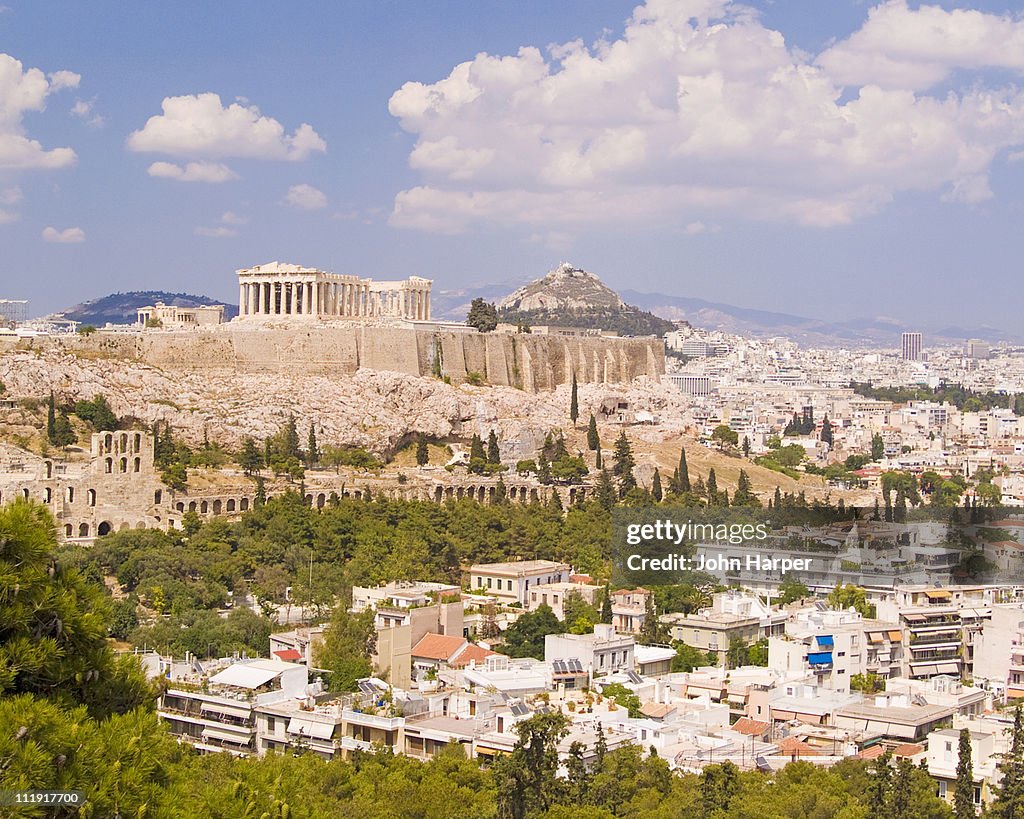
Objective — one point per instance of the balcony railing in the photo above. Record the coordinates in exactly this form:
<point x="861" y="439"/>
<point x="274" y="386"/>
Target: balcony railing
<point x="372" y="720"/>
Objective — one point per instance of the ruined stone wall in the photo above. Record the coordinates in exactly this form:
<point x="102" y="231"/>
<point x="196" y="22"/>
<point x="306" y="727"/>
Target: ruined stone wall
<point x="528" y="362"/>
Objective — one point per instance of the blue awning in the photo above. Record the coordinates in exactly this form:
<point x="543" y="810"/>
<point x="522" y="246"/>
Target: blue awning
<point x="824" y="640"/>
<point x="820" y="658"/>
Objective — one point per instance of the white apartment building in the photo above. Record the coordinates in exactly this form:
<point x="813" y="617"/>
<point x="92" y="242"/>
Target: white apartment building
<point x="599" y="653"/>
<point x="511" y="582"/>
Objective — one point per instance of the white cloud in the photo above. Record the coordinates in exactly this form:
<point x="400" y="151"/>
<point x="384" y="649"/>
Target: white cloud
<point x="220" y="232"/>
<point x="192" y="172"/>
<point x="86" y="110"/>
<point x="68" y="236"/>
<point x="23" y="90"/>
<point x="305" y="197"/>
<point x="696" y="113"/>
<point x="201" y="126"/>
<point x="11" y="196"/>
<point x="232" y="218"/>
<point x="914" y="49"/>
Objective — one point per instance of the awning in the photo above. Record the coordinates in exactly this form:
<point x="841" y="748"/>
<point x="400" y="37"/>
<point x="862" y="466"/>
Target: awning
<point x="876" y="636"/>
<point x="785" y="716"/>
<point x="243" y="675"/>
<point x="820" y="658"/>
<point x="948" y="668"/>
<point x="228" y="710"/>
<point x="938" y="594"/>
<point x="289" y="655"/>
<point x="914" y="618"/>
<point x="923" y="668"/>
<point x="824" y="640"/>
<point x="226" y="736"/>
<point x="896" y="636"/>
<point x="309" y="728"/>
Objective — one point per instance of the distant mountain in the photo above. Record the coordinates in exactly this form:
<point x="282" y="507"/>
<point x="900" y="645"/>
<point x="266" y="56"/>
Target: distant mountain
<point x="807" y="331"/>
<point x="121" y="308"/>
<point x="570" y="296"/>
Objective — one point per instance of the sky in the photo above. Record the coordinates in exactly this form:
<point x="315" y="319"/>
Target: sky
<point x="834" y="160"/>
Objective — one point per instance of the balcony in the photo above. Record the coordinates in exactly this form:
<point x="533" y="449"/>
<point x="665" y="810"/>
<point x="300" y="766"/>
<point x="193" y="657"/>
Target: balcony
<point x="372" y="720"/>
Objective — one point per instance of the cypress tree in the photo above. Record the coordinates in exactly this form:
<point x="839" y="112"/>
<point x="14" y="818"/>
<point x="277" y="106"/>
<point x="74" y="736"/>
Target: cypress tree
<point x="605" y="491"/>
<point x="606" y="605"/>
<point x="1009" y="801"/>
<point x="312" y="450"/>
<point x="593" y="440"/>
<point x="555" y="502"/>
<point x="51" y="419"/>
<point x="963" y="796"/>
<point x="493" y="452"/>
<point x="712" y="487"/>
<point x="422" y="453"/>
<point x="684" y="472"/>
<point x="476" y="449"/>
<point x="574" y="404"/>
<point x="656" y="486"/>
<point x="597" y="460"/>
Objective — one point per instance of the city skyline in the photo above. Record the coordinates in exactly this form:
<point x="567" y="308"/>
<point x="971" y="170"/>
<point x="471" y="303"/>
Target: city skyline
<point x="856" y="162"/>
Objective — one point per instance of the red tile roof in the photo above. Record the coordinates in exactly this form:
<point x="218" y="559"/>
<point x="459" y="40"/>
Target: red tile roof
<point x="751" y="727"/>
<point x="471" y="653"/>
<point x="438" y="647"/>
<point x="794" y="745"/>
<point x="288" y="655"/>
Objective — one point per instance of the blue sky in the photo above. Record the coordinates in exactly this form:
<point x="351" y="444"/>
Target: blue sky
<point x="832" y="159"/>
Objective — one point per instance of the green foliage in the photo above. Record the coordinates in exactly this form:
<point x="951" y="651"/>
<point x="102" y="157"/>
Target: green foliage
<point x="1009" y="793"/>
<point x="580" y="616"/>
<point x="791" y="590"/>
<point x="54" y="623"/>
<point x="250" y="458"/>
<point x="475" y="378"/>
<point x="688" y="658"/>
<point x="349" y="640"/>
<point x="725" y="436"/>
<point x="351" y="456"/>
<point x="630" y="321"/>
<point x="877" y="447"/>
<point x="623" y="698"/>
<point x="482" y="315"/>
<point x="868" y="683"/>
<point x="422" y="452"/>
<point x="851" y="596"/>
<point x="574" y="403"/>
<point x="963" y="795"/>
<point x="86" y="330"/>
<point x="98" y="413"/>
<point x="624" y="463"/>
<point x="593" y="439"/>
<point x="525" y="637"/>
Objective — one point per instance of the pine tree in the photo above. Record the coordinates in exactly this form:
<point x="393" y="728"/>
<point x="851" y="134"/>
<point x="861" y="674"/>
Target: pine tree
<point x="422" y="453"/>
<point x="493" y="452"/>
<point x="652" y="631"/>
<point x="901" y="788"/>
<point x="624" y="463"/>
<point x="656" y="492"/>
<point x="261" y="492"/>
<point x="63" y="433"/>
<point x="574" y="403"/>
<point x="312" y="450"/>
<point x="593" y="439"/>
<point x="880" y="788"/>
<point x="684" y="472"/>
<point x="555" y="502"/>
<point x="963" y="796"/>
<point x="543" y="470"/>
<point x="250" y="459"/>
<point x="500" y="491"/>
<point x="744" y="496"/>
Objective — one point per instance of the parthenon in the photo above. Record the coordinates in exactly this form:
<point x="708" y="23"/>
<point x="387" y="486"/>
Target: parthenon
<point x="279" y="290"/>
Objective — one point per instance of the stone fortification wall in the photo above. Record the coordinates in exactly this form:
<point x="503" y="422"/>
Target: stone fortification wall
<point x="532" y="363"/>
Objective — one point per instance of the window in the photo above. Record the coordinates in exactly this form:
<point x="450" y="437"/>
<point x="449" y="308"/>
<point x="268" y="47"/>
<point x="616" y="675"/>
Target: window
<point x="489" y="582"/>
<point x="510" y="584"/>
<point x="840" y="653"/>
<point x="271" y="725"/>
<point x="942" y="790"/>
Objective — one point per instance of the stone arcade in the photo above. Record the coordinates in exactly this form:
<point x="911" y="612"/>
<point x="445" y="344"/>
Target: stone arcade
<point x="278" y="290"/>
